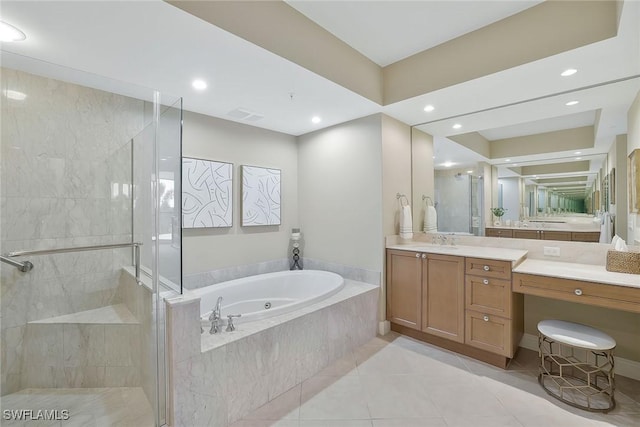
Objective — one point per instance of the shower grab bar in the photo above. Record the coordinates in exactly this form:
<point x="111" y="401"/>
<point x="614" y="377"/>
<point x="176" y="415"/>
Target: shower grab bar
<point x="22" y="266"/>
<point x="26" y="265"/>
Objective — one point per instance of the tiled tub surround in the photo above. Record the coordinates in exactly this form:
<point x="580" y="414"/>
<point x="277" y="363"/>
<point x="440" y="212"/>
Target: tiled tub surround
<point x="65" y="149"/>
<point x="217" y="379"/>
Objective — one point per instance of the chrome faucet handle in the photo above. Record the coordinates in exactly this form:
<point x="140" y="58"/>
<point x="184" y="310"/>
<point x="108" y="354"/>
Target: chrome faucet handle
<point x="452" y="239"/>
<point x="444" y="239"/>
<point x="230" y="326"/>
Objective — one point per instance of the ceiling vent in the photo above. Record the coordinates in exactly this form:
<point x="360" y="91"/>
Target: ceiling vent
<point x="244" y="114"/>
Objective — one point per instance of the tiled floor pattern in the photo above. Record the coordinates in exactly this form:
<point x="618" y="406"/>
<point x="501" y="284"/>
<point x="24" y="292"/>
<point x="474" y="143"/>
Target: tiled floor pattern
<point x="395" y="381"/>
<point x="88" y="407"/>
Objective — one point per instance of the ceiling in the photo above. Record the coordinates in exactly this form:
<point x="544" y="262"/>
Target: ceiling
<point x="152" y="44"/>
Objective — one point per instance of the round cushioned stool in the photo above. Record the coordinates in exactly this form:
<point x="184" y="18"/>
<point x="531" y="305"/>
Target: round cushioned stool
<point x="576" y="364"/>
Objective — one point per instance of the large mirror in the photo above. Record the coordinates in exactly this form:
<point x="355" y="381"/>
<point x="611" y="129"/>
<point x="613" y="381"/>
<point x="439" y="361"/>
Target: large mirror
<point x="549" y="163"/>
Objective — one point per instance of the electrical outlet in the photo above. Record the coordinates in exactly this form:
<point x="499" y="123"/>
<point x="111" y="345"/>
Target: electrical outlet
<point x="552" y="251"/>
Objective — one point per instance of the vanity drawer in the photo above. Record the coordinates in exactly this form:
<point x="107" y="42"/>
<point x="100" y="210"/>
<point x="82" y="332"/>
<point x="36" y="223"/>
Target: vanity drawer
<point x="488" y="268"/>
<point x="488" y="295"/>
<point x="489" y="332"/>
<point x="617" y="297"/>
<point x="498" y="232"/>
<point x="555" y="235"/>
<point x="526" y="234"/>
<point x="586" y="236"/>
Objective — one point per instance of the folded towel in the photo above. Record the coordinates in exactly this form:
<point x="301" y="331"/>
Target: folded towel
<point x="430" y="220"/>
<point x="406" y="223"/>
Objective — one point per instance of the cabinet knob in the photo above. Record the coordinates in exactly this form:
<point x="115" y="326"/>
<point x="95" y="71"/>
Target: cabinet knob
<point x="485" y="281"/>
<point x="485" y="268"/>
<point x="417" y="255"/>
<point x="485" y="318"/>
<point x="578" y="291"/>
<point x="424" y="256"/>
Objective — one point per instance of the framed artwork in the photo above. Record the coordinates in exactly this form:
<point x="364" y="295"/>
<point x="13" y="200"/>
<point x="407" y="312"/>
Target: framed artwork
<point x="634" y="181"/>
<point x="207" y="193"/>
<point x="260" y="196"/>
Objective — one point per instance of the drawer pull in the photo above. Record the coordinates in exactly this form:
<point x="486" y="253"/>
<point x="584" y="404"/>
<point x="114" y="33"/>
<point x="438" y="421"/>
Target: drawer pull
<point x="485" y="268"/>
<point x="485" y="282"/>
<point x="485" y="318"/>
<point x="417" y="255"/>
<point x="578" y="292"/>
<point x="424" y="256"/>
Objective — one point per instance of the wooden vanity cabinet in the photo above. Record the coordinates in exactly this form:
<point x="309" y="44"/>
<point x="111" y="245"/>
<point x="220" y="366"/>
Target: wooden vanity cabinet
<point x="498" y="232"/>
<point x="574" y="236"/>
<point x="555" y="235"/>
<point x="443" y="296"/>
<point x="493" y="313"/>
<point x="404" y="288"/>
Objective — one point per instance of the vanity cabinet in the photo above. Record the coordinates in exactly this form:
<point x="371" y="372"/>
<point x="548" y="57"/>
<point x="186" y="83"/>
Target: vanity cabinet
<point x="404" y="288"/>
<point x="462" y="303"/>
<point x="426" y="292"/>
<point x="567" y="236"/>
<point x="492" y="312"/>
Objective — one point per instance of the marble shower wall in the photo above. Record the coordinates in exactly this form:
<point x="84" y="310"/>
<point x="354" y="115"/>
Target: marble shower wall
<point x="65" y="180"/>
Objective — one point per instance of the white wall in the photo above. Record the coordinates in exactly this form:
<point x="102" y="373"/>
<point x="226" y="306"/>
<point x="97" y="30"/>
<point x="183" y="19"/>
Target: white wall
<point x="340" y="193"/>
<point x="211" y="138"/>
<point x="422" y="172"/>
<point x="510" y="197"/>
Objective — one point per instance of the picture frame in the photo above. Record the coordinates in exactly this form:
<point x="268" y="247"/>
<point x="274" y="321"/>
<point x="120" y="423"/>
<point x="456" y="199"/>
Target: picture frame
<point x="612" y="186"/>
<point x="261" y="196"/>
<point x="207" y="193"/>
<point x="633" y="171"/>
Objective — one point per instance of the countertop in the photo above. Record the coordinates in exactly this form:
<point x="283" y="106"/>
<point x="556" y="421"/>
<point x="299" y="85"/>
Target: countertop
<point x="573" y="271"/>
<point x="502" y="254"/>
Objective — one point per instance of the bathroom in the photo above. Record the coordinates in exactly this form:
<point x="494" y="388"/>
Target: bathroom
<point x="339" y="181"/>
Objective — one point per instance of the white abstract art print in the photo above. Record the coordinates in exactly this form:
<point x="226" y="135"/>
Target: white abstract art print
<point x="207" y="193"/>
<point x="260" y="196"/>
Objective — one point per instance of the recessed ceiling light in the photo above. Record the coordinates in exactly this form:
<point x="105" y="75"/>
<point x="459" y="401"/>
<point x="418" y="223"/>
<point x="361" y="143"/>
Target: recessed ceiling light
<point x="14" y="94"/>
<point x="578" y="152"/>
<point x="448" y="164"/>
<point x="570" y="103"/>
<point x="568" y="72"/>
<point x="457" y="126"/>
<point x="515" y="164"/>
<point x="429" y="108"/>
<point x="199" y="84"/>
<point x="469" y="171"/>
<point x="9" y="33"/>
<point x="507" y="160"/>
<point x="316" y="119"/>
<point x="578" y="158"/>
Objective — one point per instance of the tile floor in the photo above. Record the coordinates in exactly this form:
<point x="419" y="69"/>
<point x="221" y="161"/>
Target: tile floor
<point x="395" y="381"/>
<point x="88" y="407"/>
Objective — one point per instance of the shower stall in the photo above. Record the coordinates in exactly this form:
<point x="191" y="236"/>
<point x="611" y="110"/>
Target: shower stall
<point x="459" y="202"/>
<point x="90" y="243"/>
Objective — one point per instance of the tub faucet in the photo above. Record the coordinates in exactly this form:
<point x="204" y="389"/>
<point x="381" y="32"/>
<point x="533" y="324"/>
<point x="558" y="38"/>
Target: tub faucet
<point x="215" y="317"/>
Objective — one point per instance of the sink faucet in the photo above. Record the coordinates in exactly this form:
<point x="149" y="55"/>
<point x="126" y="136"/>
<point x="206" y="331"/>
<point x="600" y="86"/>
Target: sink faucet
<point x="443" y="239"/>
<point x="215" y="317"/>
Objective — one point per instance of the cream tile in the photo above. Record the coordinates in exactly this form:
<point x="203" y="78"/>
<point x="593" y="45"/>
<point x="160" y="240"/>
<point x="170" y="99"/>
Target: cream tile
<point x="411" y="422"/>
<point x="470" y="400"/>
<point x="335" y="423"/>
<point x="85" y="376"/>
<point x="122" y="345"/>
<point x="284" y="407"/>
<point x="398" y="396"/>
<point x="84" y="345"/>
<point x="557" y="420"/>
<point x="265" y="423"/>
<point x="346" y="365"/>
<point x="333" y="398"/>
<point x="503" y="421"/>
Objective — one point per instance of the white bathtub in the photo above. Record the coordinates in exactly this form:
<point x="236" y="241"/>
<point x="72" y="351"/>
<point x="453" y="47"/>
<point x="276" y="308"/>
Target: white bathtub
<point x="267" y="295"/>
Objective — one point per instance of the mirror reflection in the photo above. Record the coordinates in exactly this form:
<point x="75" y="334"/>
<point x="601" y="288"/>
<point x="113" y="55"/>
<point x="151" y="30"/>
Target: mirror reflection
<point x="547" y="168"/>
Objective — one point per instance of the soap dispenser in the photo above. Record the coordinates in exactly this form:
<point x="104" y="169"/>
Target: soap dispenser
<point x="296" y="263"/>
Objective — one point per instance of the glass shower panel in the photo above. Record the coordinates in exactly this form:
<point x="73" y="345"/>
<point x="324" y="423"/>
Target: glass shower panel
<point x="72" y="149"/>
<point x="453" y="202"/>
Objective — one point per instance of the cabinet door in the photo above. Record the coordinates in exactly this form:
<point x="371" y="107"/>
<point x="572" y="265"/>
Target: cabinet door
<point x="443" y="296"/>
<point x="490" y="333"/>
<point x="526" y="234"/>
<point x="586" y="236"/>
<point x="556" y="235"/>
<point x="404" y="273"/>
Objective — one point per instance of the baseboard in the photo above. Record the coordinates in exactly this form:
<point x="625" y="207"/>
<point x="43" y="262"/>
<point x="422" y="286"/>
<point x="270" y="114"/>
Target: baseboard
<point x="624" y="367"/>
<point x="384" y="327"/>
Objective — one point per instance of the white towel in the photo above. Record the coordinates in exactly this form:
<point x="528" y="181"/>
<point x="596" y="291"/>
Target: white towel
<point x="406" y="223"/>
<point x="430" y="220"/>
<point x="606" y="229"/>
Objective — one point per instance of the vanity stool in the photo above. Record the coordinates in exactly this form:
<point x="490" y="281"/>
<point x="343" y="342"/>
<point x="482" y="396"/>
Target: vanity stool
<point x="576" y="364"/>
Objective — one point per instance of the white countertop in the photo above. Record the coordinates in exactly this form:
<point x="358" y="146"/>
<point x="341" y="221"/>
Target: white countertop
<point x="502" y="254"/>
<point x="573" y="271"/>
